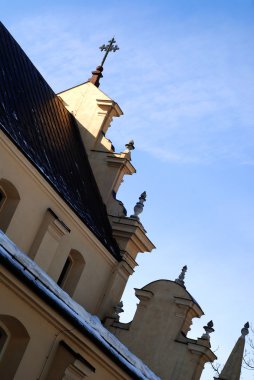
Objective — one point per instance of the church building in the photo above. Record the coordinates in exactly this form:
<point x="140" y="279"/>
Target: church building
<point x="68" y="247"/>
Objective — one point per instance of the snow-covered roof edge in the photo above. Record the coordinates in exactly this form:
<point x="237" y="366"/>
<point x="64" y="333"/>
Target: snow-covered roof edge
<point x="89" y="324"/>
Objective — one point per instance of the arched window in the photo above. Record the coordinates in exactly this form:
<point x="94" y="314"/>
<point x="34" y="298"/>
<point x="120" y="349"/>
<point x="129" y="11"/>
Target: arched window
<point x="71" y="271"/>
<point x="14" y="339"/>
<point x="9" y="199"/>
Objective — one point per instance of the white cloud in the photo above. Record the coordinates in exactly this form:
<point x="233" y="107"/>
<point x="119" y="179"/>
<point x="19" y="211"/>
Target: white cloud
<point x="187" y="97"/>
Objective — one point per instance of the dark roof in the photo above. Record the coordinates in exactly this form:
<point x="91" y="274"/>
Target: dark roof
<point x="36" y="120"/>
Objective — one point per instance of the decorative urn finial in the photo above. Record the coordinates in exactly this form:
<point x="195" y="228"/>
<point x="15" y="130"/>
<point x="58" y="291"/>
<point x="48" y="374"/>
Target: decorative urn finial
<point x="208" y="330"/>
<point x="139" y="206"/>
<point x="118" y="309"/>
<point x="180" y="279"/>
<point x="245" y="330"/>
<point x="130" y="145"/>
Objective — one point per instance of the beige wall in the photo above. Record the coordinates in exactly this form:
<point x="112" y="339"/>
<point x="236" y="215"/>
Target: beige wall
<point x="94" y="112"/>
<point x="48" y="242"/>
<point x="159" y="328"/>
<point x="46" y="329"/>
<point x="36" y="196"/>
<point x="41" y="224"/>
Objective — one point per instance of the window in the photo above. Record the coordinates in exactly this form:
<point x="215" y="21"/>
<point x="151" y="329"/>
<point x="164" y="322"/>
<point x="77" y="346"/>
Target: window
<point x="71" y="271"/>
<point x="14" y="339"/>
<point x="69" y="365"/>
<point x="65" y="271"/>
<point x="9" y="199"/>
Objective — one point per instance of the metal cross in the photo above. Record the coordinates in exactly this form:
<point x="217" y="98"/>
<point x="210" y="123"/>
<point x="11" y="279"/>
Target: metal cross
<point x="108" y="48"/>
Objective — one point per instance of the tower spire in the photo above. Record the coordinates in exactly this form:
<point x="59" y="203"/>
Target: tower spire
<point x="97" y="74"/>
<point x="232" y="368"/>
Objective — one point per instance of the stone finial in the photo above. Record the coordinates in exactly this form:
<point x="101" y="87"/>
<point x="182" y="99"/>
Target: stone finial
<point x="97" y="75"/>
<point x="208" y="330"/>
<point x="245" y="330"/>
<point x="118" y="309"/>
<point x="130" y="145"/>
<point x="139" y="206"/>
<point x="180" y="279"/>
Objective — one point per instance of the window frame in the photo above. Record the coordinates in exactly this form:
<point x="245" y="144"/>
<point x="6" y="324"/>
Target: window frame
<point x="8" y="203"/>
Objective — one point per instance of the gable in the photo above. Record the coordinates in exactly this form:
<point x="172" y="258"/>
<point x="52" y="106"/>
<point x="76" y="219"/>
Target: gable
<point x="37" y="122"/>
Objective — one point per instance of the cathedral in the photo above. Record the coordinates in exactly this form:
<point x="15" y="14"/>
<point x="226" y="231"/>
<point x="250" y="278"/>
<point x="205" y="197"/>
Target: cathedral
<point x="68" y="248"/>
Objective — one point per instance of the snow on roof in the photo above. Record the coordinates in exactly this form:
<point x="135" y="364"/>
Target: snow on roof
<point x="89" y="322"/>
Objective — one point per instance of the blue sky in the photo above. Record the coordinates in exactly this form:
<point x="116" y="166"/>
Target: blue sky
<point x="184" y="79"/>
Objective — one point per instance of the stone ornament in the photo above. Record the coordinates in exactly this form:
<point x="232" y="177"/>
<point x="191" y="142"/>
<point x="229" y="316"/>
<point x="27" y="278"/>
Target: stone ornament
<point x="208" y="330"/>
<point x="138" y="209"/>
<point x="180" y="279"/>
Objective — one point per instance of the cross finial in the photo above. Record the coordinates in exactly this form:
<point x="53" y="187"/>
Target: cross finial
<point x="180" y="279"/>
<point x="108" y="48"/>
<point x="97" y="74"/>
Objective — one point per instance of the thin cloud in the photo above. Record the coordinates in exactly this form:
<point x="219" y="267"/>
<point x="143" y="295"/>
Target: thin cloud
<point x="182" y="95"/>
